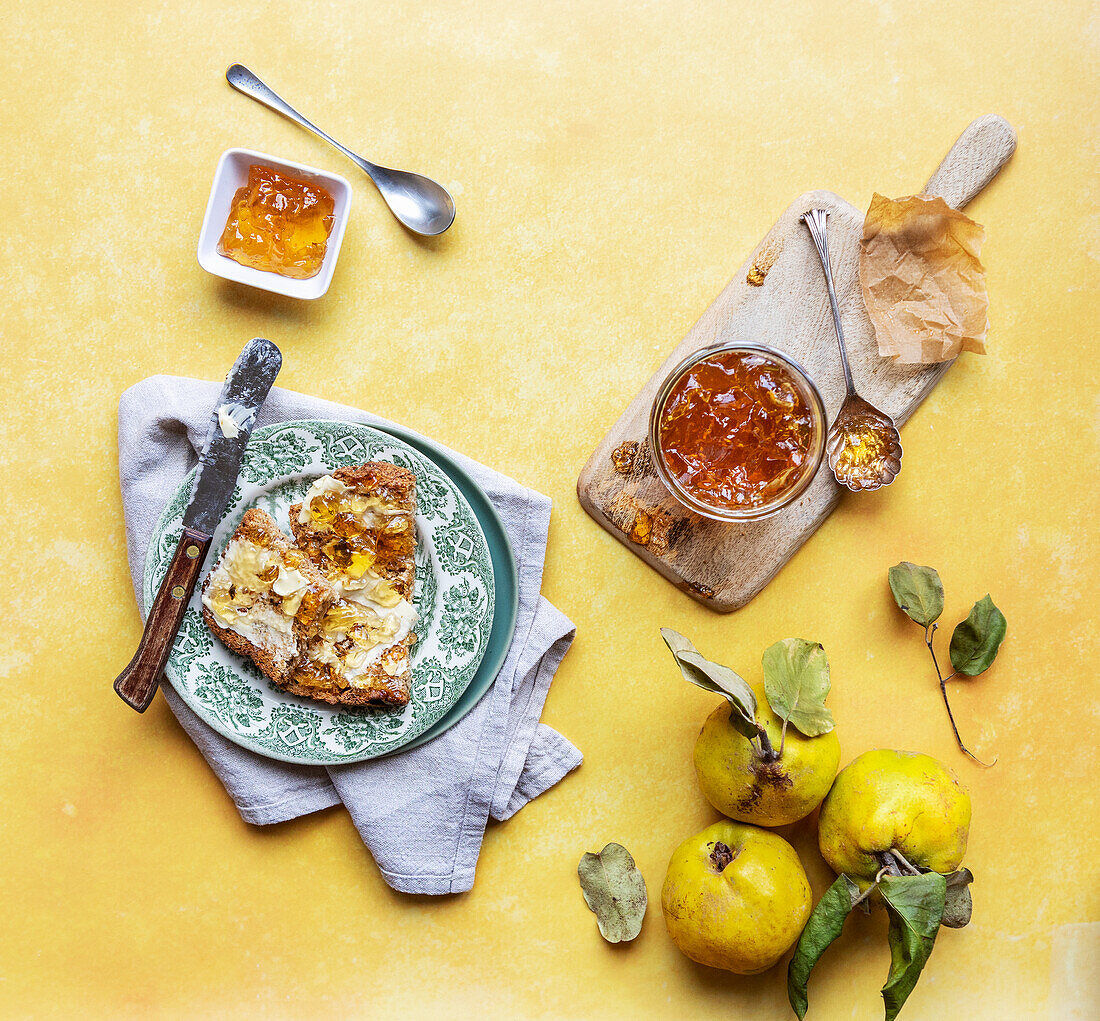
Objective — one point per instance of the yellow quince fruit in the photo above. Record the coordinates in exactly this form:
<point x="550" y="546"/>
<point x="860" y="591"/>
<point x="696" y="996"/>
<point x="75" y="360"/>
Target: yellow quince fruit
<point x="735" y="897"/>
<point x="887" y="802"/>
<point x="741" y="783"/>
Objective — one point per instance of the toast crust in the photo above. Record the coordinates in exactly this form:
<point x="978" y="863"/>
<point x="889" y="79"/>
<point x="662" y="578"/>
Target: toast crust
<point x="392" y="692"/>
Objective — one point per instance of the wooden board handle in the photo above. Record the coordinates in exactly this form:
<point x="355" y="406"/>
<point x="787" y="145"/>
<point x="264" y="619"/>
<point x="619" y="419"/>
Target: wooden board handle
<point x="137" y="684"/>
<point x="974" y="160"/>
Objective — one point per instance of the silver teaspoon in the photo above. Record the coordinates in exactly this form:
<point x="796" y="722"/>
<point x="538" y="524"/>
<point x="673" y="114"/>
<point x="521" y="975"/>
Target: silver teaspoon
<point x="863" y="445"/>
<point x="421" y="204"/>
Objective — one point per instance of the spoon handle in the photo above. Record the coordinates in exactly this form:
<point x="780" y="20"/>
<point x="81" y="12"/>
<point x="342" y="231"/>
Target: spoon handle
<point x="815" y="221"/>
<point x="245" y="82"/>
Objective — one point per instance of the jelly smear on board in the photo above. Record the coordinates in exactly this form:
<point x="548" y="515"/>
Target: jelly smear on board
<point x="736" y="431"/>
<point x="279" y="224"/>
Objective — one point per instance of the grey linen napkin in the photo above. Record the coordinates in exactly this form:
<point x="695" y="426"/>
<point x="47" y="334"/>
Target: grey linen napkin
<point x="423" y="812"/>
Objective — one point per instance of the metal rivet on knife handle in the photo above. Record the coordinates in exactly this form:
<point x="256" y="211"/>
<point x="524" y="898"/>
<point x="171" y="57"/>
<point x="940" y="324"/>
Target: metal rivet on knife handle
<point x="137" y="684"/>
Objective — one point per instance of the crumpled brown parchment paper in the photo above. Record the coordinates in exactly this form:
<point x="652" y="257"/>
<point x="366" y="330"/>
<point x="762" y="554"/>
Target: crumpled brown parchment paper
<point x="922" y="278"/>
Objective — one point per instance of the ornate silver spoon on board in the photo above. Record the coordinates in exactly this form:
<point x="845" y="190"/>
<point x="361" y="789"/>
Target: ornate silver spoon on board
<point x="863" y="446"/>
<point x="418" y="202"/>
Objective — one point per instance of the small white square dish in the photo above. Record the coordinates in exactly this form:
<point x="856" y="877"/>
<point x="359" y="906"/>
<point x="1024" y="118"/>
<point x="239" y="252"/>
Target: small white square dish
<point x="231" y="174"/>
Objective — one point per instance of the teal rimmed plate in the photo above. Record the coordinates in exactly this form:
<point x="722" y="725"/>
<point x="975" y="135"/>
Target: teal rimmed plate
<point x="455" y="597"/>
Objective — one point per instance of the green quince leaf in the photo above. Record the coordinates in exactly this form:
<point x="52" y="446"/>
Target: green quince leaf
<point x="957" y="904"/>
<point x="975" y="641"/>
<point x="614" y="890"/>
<point x="715" y="678"/>
<point x="821" y="930"/>
<point x="918" y="591"/>
<point x="915" y="905"/>
<point x="796" y="681"/>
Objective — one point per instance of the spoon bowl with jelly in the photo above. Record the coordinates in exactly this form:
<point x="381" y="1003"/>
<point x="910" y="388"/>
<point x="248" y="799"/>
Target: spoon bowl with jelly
<point x="863" y="446"/>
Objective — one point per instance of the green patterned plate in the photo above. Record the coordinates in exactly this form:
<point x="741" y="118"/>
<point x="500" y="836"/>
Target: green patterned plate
<point x="455" y="597"/>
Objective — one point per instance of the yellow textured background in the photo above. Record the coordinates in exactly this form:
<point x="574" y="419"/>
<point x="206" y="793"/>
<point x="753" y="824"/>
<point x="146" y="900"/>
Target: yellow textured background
<point x="613" y="163"/>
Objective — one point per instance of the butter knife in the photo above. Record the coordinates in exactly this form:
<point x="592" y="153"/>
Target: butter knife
<point x="246" y="388"/>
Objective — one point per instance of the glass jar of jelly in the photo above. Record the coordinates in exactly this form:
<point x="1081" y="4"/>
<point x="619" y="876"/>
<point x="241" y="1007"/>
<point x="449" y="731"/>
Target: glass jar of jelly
<point x="737" y="431"/>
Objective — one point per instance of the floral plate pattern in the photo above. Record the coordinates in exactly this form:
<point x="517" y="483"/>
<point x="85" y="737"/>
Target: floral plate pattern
<point x="454" y="597"/>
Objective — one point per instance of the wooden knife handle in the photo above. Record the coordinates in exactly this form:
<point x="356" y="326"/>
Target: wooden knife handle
<point x="973" y="161"/>
<point x="137" y="684"/>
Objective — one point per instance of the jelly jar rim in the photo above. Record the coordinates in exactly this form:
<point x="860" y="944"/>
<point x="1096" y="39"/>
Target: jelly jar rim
<point x="816" y="456"/>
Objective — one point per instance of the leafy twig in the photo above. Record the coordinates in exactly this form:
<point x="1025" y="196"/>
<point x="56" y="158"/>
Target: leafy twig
<point x="929" y="634"/>
<point x="915" y="904"/>
<point x="796" y="681"/>
<point x="975" y="641"/>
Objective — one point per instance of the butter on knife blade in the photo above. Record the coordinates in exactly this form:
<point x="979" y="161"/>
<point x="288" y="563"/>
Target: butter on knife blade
<point x="232" y="418"/>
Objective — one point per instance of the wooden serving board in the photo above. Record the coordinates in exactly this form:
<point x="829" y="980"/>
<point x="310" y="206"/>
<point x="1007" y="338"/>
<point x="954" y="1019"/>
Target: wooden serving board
<point x="777" y="298"/>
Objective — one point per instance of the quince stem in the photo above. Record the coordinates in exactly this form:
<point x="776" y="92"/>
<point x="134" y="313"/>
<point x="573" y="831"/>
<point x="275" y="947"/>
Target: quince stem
<point x="894" y="864"/>
<point x="897" y="864"/>
<point x="884" y="871"/>
<point x="929" y="634"/>
<point x="767" y="751"/>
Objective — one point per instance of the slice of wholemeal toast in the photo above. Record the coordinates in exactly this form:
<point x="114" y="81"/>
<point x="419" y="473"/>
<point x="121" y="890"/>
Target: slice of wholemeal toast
<point x="264" y="598"/>
<point x="358" y="528"/>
